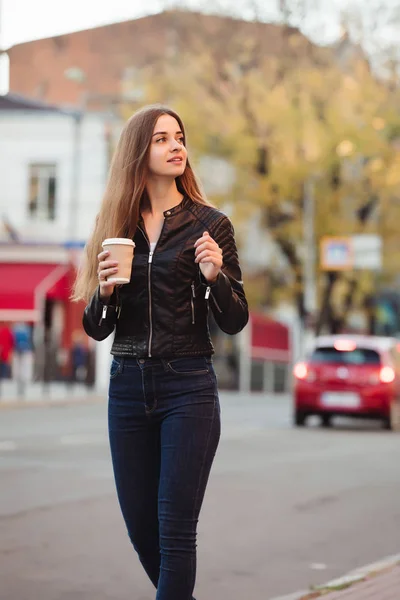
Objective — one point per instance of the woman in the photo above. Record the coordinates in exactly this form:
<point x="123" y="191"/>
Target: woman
<point x="164" y="418"/>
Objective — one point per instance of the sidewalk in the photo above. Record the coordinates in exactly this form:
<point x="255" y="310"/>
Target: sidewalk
<point x="377" y="581"/>
<point x="380" y="586"/>
<point x="53" y="393"/>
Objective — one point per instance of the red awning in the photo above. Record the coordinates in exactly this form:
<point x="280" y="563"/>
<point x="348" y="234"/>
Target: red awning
<point x="24" y="286"/>
<point x="269" y="339"/>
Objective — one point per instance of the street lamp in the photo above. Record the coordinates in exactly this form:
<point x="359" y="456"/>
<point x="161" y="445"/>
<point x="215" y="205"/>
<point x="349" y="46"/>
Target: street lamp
<point x="310" y="287"/>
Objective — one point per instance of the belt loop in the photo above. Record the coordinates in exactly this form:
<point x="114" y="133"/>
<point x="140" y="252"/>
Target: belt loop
<point x="122" y="364"/>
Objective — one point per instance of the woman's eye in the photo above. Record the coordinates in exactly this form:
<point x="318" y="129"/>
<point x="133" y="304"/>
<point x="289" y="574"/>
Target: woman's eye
<point x="163" y="139"/>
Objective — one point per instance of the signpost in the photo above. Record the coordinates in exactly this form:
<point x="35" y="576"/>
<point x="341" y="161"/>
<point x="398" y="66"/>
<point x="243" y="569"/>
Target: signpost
<point x="346" y="253"/>
<point x="367" y="250"/>
<point x="336" y="254"/>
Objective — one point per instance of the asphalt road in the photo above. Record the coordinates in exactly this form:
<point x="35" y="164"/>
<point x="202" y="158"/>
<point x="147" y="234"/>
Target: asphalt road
<point x="284" y="509"/>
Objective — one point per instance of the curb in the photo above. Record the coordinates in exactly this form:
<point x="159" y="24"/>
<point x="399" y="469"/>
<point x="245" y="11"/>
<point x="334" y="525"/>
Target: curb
<point x="351" y="577"/>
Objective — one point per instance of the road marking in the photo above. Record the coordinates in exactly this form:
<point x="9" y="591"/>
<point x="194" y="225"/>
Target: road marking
<point x="7" y="446"/>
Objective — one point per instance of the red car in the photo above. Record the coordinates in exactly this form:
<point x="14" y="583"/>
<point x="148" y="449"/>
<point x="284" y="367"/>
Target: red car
<point x="349" y="375"/>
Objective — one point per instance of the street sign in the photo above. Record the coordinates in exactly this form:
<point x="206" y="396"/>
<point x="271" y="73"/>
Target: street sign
<point x="336" y="253"/>
<point x="362" y="251"/>
<point x="367" y="249"/>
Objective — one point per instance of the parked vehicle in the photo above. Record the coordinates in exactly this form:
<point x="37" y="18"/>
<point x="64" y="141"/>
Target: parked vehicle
<point x="349" y="375"/>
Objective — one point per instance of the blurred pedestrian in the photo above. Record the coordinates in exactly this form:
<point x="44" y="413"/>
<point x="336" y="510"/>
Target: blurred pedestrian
<point x="23" y="356"/>
<point x="6" y="350"/>
<point x="164" y="416"/>
<point x="79" y="357"/>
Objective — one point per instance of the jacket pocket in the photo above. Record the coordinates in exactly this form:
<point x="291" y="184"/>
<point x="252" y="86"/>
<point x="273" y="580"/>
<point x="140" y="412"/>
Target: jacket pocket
<point x="116" y="367"/>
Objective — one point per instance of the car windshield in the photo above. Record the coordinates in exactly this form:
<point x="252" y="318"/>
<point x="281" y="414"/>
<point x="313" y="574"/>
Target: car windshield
<point x="358" y="356"/>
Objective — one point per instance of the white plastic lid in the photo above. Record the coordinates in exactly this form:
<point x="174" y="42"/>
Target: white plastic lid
<point x="121" y="241"/>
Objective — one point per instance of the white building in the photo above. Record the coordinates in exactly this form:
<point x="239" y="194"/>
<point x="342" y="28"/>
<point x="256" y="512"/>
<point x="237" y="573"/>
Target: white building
<point x="53" y="167"/>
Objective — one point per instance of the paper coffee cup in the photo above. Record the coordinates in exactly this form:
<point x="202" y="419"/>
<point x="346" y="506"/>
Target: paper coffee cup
<point x="121" y="250"/>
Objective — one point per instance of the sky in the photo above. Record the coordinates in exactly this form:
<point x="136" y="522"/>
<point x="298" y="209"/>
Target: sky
<point x="23" y="20"/>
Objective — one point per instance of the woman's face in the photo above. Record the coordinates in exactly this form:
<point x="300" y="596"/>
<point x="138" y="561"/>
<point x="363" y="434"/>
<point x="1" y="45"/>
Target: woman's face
<point x="168" y="155"/>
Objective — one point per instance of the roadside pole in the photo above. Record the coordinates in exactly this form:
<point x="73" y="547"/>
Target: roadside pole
<point x="309" y="257"/>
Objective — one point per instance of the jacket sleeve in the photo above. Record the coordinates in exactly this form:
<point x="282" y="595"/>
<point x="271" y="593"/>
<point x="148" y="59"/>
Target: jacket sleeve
<point x="99" y="317"/>
<point x="226" y="295"/>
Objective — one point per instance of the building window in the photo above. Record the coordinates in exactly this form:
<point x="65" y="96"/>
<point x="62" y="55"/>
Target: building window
<point x="42" y="192"/>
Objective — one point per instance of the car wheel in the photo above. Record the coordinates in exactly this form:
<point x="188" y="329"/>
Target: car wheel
<point x="299" y="418"/>
<point x="326" y="420"/>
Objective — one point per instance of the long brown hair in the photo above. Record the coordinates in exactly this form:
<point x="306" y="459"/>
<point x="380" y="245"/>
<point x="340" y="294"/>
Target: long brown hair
<point x="126" y="188"/>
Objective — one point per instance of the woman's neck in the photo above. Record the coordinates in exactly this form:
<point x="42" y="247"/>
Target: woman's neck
<point x="162" y="195"/>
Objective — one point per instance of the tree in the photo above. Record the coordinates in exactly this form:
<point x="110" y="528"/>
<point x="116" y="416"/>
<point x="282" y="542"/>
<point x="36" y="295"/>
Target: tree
<point x="284" y="114"/>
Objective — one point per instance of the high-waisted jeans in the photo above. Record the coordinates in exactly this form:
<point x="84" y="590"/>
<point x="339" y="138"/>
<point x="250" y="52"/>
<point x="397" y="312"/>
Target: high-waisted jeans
<point x="164" y="428"/>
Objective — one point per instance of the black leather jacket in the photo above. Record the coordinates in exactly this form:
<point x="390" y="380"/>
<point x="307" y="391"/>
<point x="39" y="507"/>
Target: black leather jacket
<point x="162" y="312"/>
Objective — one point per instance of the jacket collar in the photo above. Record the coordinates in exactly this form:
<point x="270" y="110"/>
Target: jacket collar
<point x="185" y="202"/>
<point x="178" y="208"/>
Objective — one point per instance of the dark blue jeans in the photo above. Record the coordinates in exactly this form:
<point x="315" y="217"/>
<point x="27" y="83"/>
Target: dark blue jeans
<point x="164" y="427"/>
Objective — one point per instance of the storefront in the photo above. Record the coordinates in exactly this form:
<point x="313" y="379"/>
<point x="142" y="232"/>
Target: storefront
<point x="35" y="287"/>
<point x="264" y="355"/>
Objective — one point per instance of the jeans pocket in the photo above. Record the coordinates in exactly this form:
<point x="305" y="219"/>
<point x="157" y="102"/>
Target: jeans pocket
<point x="189" y="366"/>
<point x="116" y="367"/>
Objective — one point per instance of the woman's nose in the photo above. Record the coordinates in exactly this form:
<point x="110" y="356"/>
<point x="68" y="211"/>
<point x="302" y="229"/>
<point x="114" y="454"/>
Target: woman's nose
<point x="176" y="145"/>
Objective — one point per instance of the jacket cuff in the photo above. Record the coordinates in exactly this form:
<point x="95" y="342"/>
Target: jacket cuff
<point x="111" y="301"/>
<point x="206" y="283"/>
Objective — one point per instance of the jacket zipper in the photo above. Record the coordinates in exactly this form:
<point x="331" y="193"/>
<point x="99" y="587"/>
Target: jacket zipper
<point x="103" y="314"/>
<point x="150" y="262"/>
<point x="192" y="297"/>
<point x="118" y="308"/>
<point x="207" y="295"/>
<point x="150" y="303"/>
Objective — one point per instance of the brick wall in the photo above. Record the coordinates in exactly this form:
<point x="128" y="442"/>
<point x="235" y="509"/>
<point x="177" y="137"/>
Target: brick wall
<point x="37" y="68"/>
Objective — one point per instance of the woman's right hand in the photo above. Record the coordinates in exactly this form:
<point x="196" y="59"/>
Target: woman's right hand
<point x="106" y="268"/>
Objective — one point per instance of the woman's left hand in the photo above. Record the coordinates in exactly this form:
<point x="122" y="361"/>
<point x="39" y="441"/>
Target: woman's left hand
<point x="209" y="255"/>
